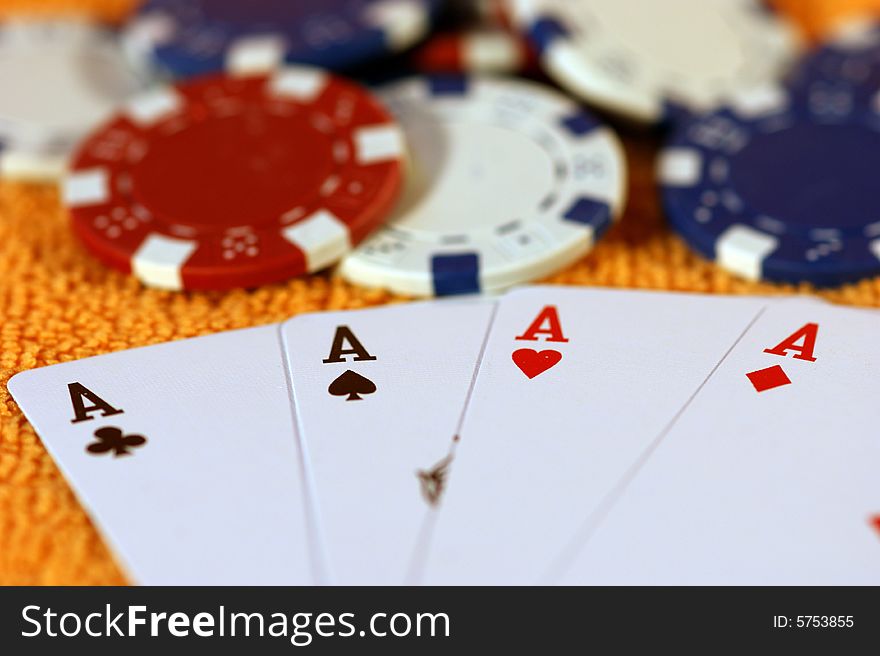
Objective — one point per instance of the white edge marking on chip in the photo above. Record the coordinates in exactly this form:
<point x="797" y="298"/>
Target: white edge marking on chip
<point x="875" y="248"/>
<point x="150" y="30"/>
<point x="378" y="143"/>
<point x="742" y="250"/>
<point x="491" y="51"/>
<point x="302" y="84"/>
<point x="760" y="100"/>
<point x="402" y="21"/>
<point x="159" y="260"/>
<point x="680" y="167"/>
<point x="151" y="107"/>
<point x="522" y="11"/>
<point x="87" y="187"/>
<point x="255" y="54"/>
<point x="322" y="237"/>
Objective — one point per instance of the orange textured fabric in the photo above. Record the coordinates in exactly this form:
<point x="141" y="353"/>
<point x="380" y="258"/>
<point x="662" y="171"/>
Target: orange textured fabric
<point x="818" y="17"/>
<point x="57" y="303"/>
<point x="111" y="11"/>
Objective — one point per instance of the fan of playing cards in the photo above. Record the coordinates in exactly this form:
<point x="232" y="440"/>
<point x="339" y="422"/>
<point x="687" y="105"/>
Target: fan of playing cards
<point x="553" y="435"/>
<point x="495" y="429"/>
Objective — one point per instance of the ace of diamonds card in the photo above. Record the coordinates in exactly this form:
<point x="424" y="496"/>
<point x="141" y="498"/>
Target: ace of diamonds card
<point x="769" y="475"/>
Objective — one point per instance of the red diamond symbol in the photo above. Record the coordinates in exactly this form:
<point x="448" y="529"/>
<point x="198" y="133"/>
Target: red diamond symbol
<point x="767" y="379"/>
<point x="875" y="522"/>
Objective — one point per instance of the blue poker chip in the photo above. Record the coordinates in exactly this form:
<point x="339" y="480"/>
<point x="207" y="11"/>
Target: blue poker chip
<point x="195" y="37"/>
<point x="779" y="186"/>
<point x="850" y="60"/>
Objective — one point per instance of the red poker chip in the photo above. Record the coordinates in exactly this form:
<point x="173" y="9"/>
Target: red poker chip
<point x="233" y="181"/>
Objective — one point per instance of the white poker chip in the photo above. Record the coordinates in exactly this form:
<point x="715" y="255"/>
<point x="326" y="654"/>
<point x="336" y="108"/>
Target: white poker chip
<point x="58" y="79"/>
<point x="509" y="182"/>
<point x="644" y="59"/>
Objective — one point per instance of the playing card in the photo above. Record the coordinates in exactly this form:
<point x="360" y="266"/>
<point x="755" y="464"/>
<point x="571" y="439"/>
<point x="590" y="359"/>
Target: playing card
<point x="185" y="456"/>
<point x="770" y="475"/>
<point x="573" y="387"/>
<point x="378" y="397"/>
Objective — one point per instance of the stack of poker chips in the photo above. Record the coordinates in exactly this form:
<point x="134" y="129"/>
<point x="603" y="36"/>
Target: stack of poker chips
<point x="215" y="144"/>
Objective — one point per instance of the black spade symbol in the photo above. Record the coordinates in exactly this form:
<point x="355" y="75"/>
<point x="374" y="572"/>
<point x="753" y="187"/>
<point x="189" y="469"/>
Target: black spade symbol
<point x="352" y="385"/>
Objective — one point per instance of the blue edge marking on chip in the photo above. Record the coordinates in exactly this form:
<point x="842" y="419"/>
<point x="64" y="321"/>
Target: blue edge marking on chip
<point x="459" y="273"/>
<point x="803" y="178"/>
<point x="544" y="31"/>
<point x="185" y="55"/>
<point x="453" y="273"/>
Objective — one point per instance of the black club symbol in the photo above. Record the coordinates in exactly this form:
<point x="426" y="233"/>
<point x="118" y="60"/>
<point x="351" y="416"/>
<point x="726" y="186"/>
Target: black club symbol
<point x="113" y="439"/>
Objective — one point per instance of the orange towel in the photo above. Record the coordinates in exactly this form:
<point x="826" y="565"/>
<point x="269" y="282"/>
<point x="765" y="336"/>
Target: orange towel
<point x="817" y="17"/>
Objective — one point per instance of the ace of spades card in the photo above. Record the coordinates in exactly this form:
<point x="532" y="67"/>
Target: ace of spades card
<point x="378" y="398"/>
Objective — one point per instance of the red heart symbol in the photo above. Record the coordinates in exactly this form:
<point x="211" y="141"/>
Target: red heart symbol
<point x="532" y="362"/>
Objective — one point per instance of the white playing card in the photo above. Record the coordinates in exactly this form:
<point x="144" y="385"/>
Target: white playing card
<point x="215" y="494"/>
<point x="761" y="481"/>
<point x="573" y="387"/>
<point x="378" y="397"/>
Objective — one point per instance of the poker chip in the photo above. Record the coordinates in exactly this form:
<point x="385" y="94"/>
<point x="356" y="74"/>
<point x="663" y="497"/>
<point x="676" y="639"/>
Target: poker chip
<point x="58" y="78"/>
<point x="509" y="181"/>
<point x="193" y="37"/>
<point x="651" y="60"/>
<point x="236" y="181"/>
<point x="779" y="186"/>
<point x="851" y="57"/>
<point x="477" y="50"/>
